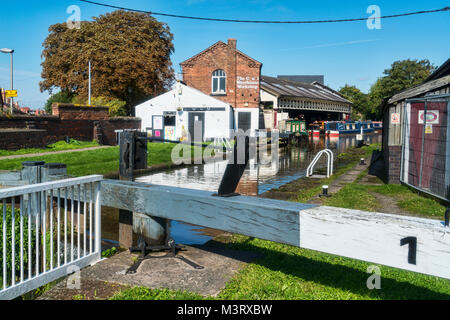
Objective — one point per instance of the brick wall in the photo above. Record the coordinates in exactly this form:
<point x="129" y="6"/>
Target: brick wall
<point x="71" y="112"/>
<point x="14" y="139"/>
<point x="242" y="72"/>
<point x="392" y="161"/>
<point x="88" y="125"/>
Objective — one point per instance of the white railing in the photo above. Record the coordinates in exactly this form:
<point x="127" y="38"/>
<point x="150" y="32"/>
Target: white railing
<point x="48" y="231"/>
<point x="329" y="153"/>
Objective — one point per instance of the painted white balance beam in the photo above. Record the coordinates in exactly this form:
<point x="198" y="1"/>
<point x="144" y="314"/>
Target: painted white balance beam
<point x="414" y="244"/>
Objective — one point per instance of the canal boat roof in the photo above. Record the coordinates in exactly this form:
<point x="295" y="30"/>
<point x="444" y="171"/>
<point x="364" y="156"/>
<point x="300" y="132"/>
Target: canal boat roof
<point x="286" y="88"/>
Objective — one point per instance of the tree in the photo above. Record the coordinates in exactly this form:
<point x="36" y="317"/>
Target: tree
<point x="116" y="106"/>
<point x="359" y="100"/>
<point x="130" y="55"/>
<point x="62" y="97"/>
<point x="401" y="76"/>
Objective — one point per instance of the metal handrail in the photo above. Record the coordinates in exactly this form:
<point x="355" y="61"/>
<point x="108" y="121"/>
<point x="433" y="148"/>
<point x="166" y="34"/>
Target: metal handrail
<point x="330" y="169"/>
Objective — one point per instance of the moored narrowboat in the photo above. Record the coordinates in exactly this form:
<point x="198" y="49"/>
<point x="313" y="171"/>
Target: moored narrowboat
<point x="336" y="128"/>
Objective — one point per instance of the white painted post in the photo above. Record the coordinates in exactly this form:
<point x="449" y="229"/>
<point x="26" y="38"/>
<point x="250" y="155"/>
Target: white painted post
<point x="98" y="218"/>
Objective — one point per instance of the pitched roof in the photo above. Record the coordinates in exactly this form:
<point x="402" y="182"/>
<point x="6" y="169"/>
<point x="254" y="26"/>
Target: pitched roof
<point x="420" y="89"/>
<point x="285" y="88"/>
<point x="217" y="44"/>
<point x="442" y="71"/>
<point x="182" y="96"/>
<point x="304" y="78"/>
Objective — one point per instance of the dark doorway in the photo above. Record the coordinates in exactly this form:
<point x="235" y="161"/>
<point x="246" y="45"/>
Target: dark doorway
<point x="199" y="119"/>
<point x="245" y="121"/>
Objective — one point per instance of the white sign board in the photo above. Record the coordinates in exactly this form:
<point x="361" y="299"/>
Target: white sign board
<point x="247" y="83"/>
<point x="432" y="117"/>
<point x="158" y="123"/>
<point x="395" y="118"/>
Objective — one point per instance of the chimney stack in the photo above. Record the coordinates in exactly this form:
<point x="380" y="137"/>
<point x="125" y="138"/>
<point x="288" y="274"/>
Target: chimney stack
<point x="232" y="43"/>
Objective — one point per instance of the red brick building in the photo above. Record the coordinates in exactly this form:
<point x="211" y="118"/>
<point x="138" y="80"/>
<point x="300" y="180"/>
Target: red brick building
<point x="229" y="75"/>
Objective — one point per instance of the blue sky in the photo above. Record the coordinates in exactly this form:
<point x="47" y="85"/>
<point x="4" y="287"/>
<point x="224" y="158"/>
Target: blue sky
<point x="346" y="53"/>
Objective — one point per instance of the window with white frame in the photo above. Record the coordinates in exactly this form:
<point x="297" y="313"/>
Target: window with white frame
<point x="219" y="82"/>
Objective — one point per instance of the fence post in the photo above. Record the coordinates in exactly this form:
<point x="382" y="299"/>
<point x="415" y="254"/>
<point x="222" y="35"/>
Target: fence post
<point x="32" y="172"/>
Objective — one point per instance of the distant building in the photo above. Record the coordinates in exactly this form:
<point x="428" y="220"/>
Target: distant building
<point x="227" y="74"/>
<point x="283" y="99"/>
<point x="304" y="78"/>
<point x="416" y="135"/>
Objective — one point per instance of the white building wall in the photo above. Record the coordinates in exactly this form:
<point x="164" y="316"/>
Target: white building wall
<point x="254" y="118"/>
<point x="218" y="123"/>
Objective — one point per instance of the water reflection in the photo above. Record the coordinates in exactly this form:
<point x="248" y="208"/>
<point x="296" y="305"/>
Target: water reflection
<point x="291" y="166"/>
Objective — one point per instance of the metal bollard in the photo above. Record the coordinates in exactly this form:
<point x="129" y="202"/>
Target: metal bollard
<point x="447" y="216"/>
<point x="325" y="192"/>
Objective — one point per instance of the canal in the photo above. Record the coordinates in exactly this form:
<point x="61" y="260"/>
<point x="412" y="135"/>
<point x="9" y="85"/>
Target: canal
<point x="258" y="178"/>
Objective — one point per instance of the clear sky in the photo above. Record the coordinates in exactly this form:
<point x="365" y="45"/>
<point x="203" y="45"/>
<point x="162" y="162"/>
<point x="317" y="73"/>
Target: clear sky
<point x="346" y="53"/>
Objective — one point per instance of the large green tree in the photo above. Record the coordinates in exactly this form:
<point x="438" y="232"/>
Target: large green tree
<point x="401" y="76"/>
<point x="359" y="100"/>
<point x="130" y="55"/>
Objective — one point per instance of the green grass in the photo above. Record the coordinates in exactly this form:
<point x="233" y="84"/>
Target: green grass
<point x="361" y="197"/>
<point x="58" y="146"/>
<point x="100" y="161"/>
<point x="289" y="273"/>
<point x="139" y="293"/>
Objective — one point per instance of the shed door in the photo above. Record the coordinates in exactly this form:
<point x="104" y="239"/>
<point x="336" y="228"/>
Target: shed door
<point x="196" y="118"/>
<point x="245" y="121"/>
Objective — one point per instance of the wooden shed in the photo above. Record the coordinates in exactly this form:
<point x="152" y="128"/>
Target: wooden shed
<point x="416" y="136"/>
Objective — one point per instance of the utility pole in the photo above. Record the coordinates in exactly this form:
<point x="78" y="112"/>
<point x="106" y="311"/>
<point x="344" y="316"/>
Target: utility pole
<point x="90" y="83"/>
<point x="10" y="51"/>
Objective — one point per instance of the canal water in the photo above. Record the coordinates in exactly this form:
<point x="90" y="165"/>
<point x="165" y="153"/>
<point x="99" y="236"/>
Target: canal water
<point x="292" y="165"/>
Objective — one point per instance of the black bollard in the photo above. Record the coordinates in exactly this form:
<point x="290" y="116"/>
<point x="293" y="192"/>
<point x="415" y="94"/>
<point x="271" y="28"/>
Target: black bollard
<point x="447" y="216"/>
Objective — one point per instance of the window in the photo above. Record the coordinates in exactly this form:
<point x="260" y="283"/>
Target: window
<point x="219" y="80"/>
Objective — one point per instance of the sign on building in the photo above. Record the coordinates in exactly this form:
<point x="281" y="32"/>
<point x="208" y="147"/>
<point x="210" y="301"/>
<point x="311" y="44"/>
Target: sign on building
<point x="395" y="118"/>
<point x="432" y="117"/>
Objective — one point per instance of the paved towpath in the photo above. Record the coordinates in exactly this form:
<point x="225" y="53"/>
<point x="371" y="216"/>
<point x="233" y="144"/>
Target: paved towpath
<point x="30" y="155"/>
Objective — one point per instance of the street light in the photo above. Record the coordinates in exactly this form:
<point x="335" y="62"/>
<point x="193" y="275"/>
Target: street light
<point x="10" y="51"/>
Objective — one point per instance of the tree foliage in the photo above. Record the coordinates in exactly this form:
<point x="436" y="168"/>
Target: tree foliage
<point x="130" y="55"/>
<point x="359" y="100"/>
<point x="62" y="97"/>
<point x="401" y="76"/>
<point x="116" y="106"/>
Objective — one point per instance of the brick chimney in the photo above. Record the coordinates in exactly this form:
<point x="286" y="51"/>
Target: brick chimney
<point x="232" y="43"/>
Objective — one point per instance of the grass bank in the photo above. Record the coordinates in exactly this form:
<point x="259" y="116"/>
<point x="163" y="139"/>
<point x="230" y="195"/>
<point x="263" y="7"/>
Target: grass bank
<point x="101" y="161"/>
<point x="387" y="198"/>
<point x="58" y="146"/>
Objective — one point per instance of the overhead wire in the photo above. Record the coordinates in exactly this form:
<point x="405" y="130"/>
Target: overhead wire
<point x="265" y="21"/>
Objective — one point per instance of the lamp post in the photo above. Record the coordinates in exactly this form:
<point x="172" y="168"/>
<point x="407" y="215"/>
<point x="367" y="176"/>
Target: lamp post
<point x="10" y="51"/>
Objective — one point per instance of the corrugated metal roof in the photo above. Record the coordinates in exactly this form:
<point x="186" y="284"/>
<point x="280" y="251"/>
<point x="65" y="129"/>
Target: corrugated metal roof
<point x="304" y="78"/>
<point x="287" y="88"/>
